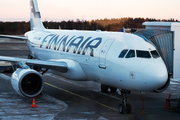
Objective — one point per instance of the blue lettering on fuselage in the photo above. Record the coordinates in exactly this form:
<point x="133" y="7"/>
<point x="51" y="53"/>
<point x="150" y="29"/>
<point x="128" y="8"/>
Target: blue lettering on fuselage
<point x="75" y="44"/>
<point x="55" y="44"/>
<point x="99" y="40"/>
<point x="65" y="42"/>
<point x="49" y="43"/>
<point x="82" y="45"/>
<point x="44" y="40"/>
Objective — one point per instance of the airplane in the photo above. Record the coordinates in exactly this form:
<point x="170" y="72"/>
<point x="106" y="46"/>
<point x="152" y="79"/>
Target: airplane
<point x="114" y="59"/>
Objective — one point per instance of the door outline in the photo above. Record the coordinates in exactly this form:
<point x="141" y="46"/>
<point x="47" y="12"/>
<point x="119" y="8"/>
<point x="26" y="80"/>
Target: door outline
<point x="103" y="53"/>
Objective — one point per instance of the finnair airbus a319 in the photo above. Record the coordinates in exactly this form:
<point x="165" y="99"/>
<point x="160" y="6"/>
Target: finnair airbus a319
<point x="114" y="59"/>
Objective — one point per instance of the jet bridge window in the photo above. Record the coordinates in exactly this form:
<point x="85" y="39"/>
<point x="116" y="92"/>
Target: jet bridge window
<point x="154" y="54"/>
<point x="123" y="53"/>
<point x="143" y="54"/>
<point x="130" y="54"/>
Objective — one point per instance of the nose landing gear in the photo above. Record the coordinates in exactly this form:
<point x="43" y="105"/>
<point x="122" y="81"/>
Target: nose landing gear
<point x="124" y="107"/>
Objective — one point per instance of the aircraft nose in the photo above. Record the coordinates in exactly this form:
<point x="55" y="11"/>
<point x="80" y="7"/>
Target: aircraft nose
<point x="155" y="76"/>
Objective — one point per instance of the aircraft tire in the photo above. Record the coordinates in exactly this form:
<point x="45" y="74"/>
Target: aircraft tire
<point x="128" y="108"/>
<point x="121" y="109"/>
<point x="104" y="88"/>
<point x="113" y="90"/>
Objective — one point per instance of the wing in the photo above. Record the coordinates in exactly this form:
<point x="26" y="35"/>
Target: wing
<point x="14" y="37"/>
<point x="54" y="65"/>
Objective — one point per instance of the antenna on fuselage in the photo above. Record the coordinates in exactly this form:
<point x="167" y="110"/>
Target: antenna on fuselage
<point x="124" y="30"/>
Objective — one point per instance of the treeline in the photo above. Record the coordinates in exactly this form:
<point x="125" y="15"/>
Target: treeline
<point x="14" y="28"/>
<point x="19" y="28"/>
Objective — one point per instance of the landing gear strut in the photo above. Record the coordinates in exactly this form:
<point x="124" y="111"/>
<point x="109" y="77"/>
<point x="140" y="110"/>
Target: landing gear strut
<point x="124" y="107"/>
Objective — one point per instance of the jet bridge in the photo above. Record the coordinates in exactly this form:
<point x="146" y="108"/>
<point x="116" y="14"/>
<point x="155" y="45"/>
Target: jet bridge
<point x="165" y="36"/>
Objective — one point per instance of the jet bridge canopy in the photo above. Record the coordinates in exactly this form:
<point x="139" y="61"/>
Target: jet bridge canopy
<point x="165" y="36"/>
<point x="163" y="41"/>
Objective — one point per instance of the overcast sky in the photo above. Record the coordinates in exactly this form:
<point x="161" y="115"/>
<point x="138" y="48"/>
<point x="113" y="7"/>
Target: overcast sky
<point x="91" y="9"/>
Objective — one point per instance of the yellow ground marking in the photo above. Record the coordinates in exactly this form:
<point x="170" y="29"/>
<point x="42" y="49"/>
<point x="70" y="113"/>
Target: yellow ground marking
<point x="16" y="48"/>
<point x="81" y="97"/>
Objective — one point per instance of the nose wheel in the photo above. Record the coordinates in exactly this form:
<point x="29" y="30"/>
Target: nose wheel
<point x="124" y="107"/>
<point x="121" y="109"/>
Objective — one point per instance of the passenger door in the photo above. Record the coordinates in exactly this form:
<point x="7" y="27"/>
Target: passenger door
<point x="103" y="53"/>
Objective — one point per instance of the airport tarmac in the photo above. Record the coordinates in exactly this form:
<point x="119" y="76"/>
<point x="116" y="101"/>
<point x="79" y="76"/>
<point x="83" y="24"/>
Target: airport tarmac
<point x="64" y="99"/>
<point x="19" y="48"/>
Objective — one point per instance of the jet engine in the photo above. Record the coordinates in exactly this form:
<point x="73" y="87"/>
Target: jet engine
<point x="164" y="87"/>
<point x="27" y="82"/>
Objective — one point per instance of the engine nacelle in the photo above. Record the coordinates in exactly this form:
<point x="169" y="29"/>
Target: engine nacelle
<point x="164" y="87"/>
<point x="27" y="82"/>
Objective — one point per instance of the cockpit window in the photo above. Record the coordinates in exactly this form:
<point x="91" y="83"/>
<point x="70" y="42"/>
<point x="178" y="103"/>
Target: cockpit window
<point x="122" y="54"/>
<point x="130" y="54"/>
<point x="143" y="54"/>
<point x="154" y="54"/>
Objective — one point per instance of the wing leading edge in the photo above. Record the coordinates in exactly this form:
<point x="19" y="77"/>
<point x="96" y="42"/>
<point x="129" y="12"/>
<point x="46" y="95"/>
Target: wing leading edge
<point x="54" y="65"/>
<point x="14" y="37"/>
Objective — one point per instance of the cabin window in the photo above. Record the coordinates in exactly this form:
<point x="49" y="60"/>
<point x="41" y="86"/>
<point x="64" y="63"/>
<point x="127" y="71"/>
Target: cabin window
<point x="123" y="53"/>
<point x="130" y="54"/>
<point x="154" y="54"/>
<point x="143" y="54"/>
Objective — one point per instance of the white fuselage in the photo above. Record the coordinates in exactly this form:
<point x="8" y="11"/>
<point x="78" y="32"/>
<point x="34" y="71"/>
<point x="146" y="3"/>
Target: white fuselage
<point x="96" y="55"/>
